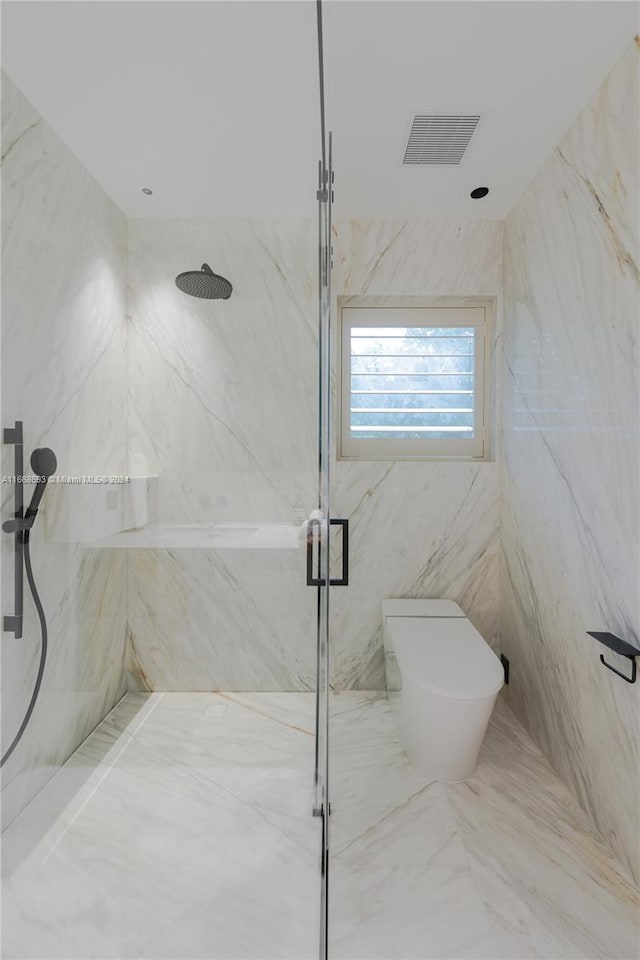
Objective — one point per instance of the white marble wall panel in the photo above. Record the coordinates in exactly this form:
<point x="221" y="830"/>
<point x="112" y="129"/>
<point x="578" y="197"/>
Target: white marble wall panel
<point x="223" y="401"/>
<point x="425" y="529"/>
<point x="570" y="480"/>
<point x="223" y="398"/>
<point x="64" y="375"/>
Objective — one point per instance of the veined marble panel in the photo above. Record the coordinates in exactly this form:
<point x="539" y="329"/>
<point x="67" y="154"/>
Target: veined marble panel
<point x="194" y="825"/>
<point x="202" y="619"/>
<point x="425" y="529"/>
<point x="571" y="477"/>
<point x="223" y="401"/>
<point x="191" y="816"/>
<point x="64" y="376"/>
<point x="551" y="886"/>
<point x="505" y="865"/>
<point x="416" y="530"/>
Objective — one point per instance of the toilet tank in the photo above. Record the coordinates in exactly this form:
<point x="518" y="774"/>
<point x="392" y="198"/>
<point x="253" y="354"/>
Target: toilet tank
<point x="408" y="608"/>
<point x="420" y="608"/>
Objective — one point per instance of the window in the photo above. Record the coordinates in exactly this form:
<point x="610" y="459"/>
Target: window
<point x="412" y="382"/>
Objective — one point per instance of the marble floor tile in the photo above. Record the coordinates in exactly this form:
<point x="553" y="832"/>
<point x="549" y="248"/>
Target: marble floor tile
<point x="370" y="772"/>
<point x="430" y="911"/>
<point x="164" y="855"/>
<point x="553" y="889"/>
<point x="505" y="865"/>
<point x="181" y="829"/>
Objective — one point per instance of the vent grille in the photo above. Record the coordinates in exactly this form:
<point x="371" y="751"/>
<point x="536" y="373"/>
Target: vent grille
<point x="439" y="140"/>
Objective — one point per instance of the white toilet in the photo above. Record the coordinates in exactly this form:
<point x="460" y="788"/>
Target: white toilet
<point x="442" y="683"/>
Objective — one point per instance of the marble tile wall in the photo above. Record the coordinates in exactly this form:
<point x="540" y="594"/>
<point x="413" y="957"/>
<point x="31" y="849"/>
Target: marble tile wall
<point x="570" y="477"/>
<point x="223" y="399"/>
<point x="223" y="408"/>
<point x="425" y="529"/>
<point x="64" y="375"/>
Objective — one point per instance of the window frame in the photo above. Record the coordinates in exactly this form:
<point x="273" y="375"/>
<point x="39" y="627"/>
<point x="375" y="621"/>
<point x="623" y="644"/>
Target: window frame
<point x="467" y="312"/>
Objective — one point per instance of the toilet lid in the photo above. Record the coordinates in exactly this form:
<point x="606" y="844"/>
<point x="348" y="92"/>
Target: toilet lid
<point x="446" y="656"/>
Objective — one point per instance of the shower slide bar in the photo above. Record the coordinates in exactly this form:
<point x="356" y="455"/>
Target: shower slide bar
<point x="14" y="435"/>
<point x="43" y="465"/>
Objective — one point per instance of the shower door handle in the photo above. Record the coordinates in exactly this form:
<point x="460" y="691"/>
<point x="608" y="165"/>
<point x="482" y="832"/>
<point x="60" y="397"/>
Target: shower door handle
<point x="342" y="581"/>
<point x="313" y="530"/>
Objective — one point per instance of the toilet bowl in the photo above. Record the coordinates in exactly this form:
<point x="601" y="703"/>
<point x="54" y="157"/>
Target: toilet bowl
<point x="442" y="684"/>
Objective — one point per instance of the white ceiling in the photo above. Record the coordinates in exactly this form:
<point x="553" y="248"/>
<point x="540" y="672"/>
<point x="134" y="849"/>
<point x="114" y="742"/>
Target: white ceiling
<point x="214" y="105"/>
<point x="527" y="67"/>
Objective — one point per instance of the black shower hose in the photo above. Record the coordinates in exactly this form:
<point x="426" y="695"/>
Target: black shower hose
<point x="43" y="650"/>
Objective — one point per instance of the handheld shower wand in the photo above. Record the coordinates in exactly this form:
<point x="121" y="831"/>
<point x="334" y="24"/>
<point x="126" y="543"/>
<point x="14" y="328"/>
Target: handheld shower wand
<point x="44" y="465"/>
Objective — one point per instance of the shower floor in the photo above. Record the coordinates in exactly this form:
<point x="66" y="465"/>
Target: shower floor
<point x="182" y="828"/>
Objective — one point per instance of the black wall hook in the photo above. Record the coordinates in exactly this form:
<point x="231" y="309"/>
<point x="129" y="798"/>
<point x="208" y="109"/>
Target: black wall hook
<point x="622" y="648"/>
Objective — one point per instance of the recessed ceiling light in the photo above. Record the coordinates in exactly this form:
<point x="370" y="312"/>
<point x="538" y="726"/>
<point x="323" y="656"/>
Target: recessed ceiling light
<point x="479" y="193"/>
<point x="147" y="191"/>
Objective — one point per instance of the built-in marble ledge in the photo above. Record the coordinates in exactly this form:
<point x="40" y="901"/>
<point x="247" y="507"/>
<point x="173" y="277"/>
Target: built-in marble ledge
<point x="81" y="509"/>
<point x="234" y="536"/>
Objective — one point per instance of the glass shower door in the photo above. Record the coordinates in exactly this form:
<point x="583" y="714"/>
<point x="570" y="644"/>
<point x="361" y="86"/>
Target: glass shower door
<point x="322" y="526"/>
<point x="182" y="826"/>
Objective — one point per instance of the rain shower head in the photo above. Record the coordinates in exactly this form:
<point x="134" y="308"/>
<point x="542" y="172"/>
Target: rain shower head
<point x="204" y="283"/>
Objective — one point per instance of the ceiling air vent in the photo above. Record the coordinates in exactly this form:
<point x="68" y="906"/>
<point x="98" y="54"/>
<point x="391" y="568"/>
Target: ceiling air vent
<point x="439" y="139"/>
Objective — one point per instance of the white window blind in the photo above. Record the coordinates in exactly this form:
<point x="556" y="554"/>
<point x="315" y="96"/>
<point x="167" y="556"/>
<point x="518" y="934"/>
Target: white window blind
<point x="412" y="382"/>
